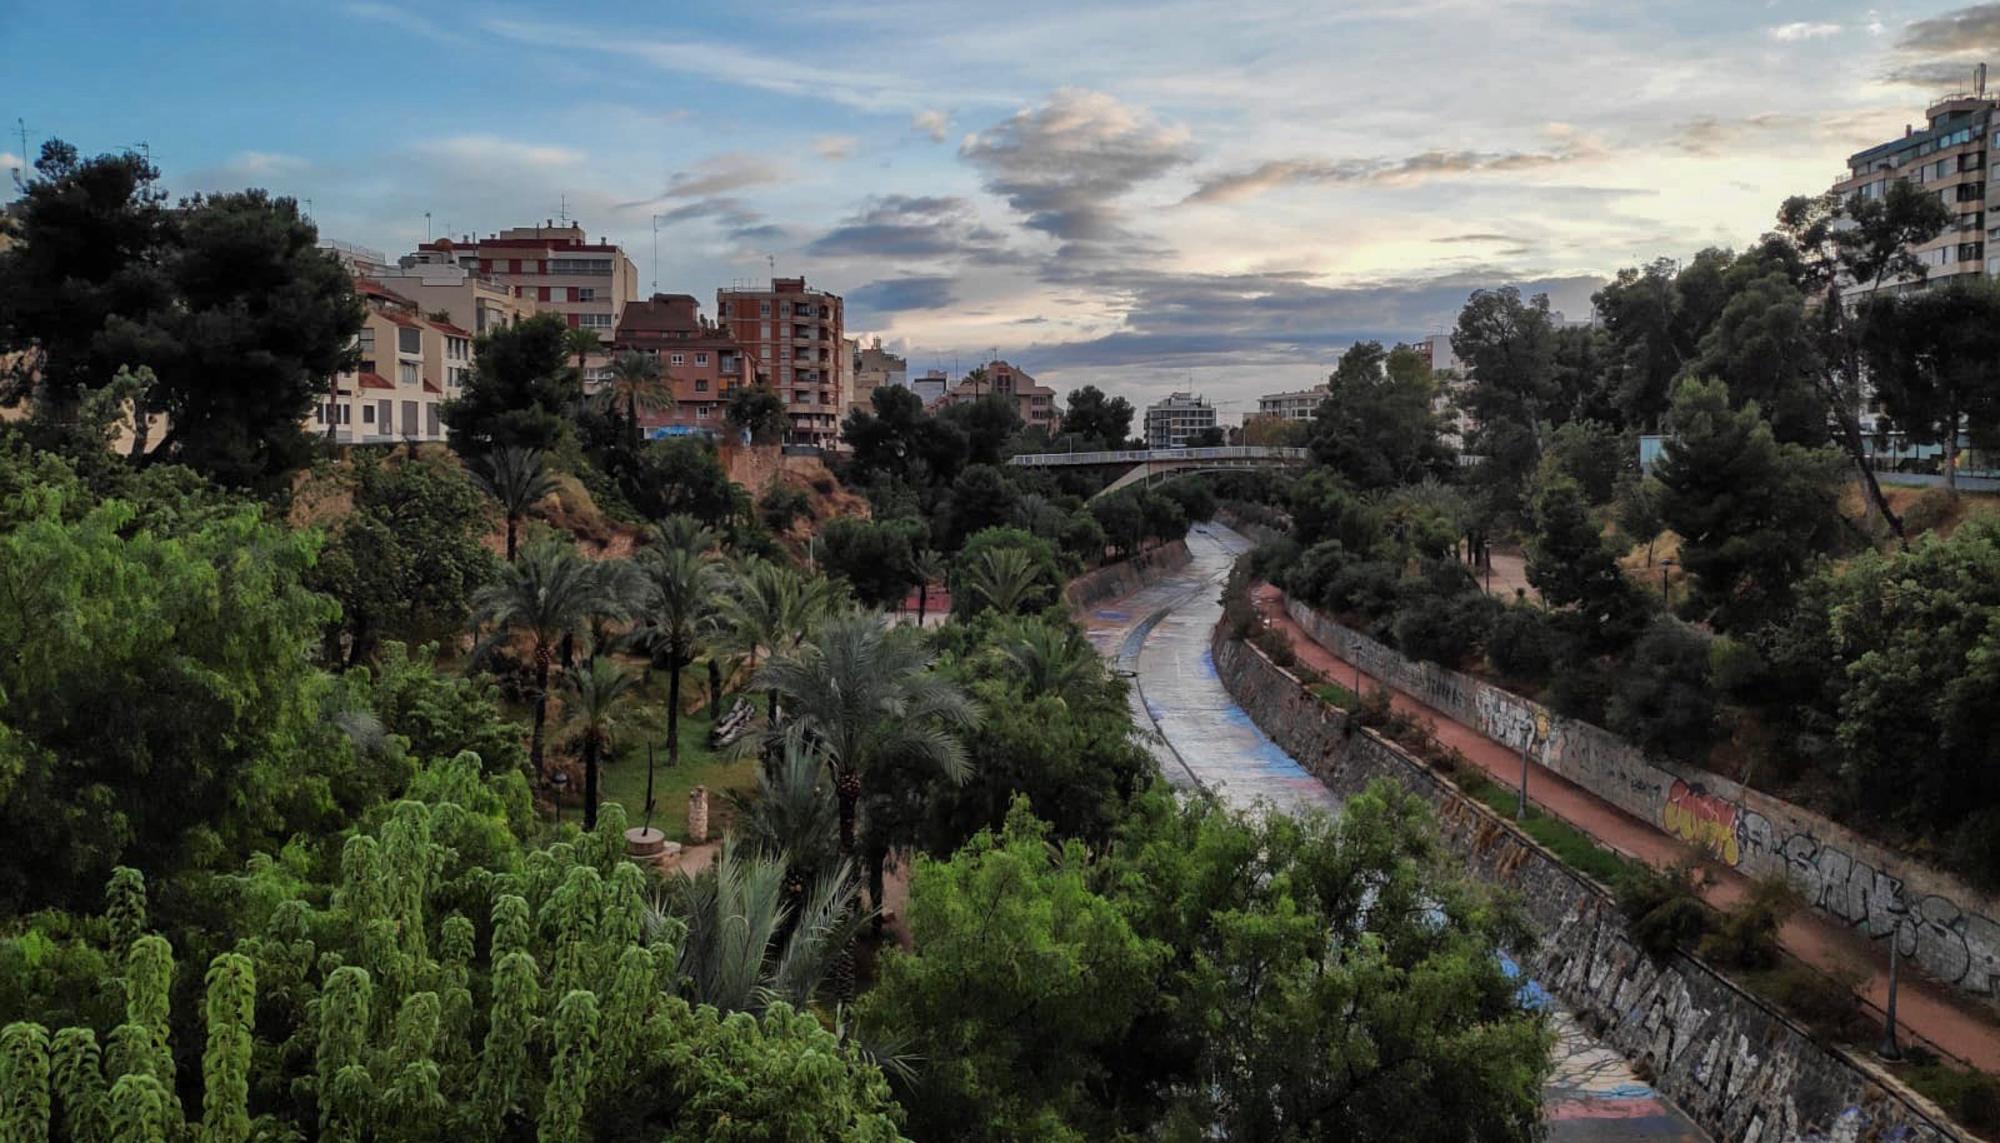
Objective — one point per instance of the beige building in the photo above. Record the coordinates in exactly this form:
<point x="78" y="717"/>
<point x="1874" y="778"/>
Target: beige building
<point x="409" y="366"/>
<point x="875" y="367"/>
<point x="1950" y="157"/>
<point x="797" y="336"/>
<point x="1296" y="405"/>
<point x="1034" y="401"/>
<point x="555" y="268"/>
<point x="462" y="298"/>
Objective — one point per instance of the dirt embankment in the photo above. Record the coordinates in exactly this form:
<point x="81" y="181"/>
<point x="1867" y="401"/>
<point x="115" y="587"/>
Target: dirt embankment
<point x="759" y="468"/>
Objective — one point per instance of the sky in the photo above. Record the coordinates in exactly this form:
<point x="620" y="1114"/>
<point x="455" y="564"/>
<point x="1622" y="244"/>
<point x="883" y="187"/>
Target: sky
<point x="1143" y="196"/>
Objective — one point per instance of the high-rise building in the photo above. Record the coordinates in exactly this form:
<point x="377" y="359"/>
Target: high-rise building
<point x="1296" y="405"/>
<point x="1171" y="422"/>
<point x="408" y="365"/>
<point x="796" y="335"/>
<point x="555" y="267"/>
<point x="875" y="367"/>
<point x="1949" y="157"/>
<point x="700" y="358"/>
<point x="1034" y="401"/>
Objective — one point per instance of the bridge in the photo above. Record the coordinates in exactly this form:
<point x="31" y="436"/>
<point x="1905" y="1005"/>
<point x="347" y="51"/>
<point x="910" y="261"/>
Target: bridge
<point x="1148" y="465"/>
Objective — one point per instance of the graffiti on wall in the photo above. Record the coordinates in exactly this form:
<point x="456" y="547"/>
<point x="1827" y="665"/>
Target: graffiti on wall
<point x="1703" y="820"/>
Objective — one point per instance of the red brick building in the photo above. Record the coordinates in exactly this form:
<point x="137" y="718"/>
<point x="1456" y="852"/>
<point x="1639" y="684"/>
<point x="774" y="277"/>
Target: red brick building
<point x="798" y="337"/>
<point x="701" y="358"/>
<point x="555" y="267"/>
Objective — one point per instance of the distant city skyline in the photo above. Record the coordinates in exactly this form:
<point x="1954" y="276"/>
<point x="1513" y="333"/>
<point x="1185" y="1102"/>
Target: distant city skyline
<point x="1145" y="197"/>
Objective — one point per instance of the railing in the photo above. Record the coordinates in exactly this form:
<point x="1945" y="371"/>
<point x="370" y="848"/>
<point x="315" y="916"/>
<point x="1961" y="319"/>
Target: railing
<point x="1144" y="456"/>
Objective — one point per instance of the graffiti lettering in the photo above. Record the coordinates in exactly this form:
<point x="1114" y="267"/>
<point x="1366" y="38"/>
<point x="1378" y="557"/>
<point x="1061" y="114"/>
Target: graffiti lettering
<point x="1702" y="820"/>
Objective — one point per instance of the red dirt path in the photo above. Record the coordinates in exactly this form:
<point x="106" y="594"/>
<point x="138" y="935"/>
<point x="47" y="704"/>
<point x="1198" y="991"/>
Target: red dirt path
<point x="1923" y="1009"/>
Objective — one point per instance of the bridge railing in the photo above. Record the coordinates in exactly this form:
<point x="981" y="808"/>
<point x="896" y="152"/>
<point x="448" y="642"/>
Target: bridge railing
<point x="1146" y="455"/>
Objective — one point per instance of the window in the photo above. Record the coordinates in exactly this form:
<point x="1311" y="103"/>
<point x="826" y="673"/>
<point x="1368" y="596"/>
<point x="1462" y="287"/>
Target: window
<point x="409" y="418"/>
<point x="583" y="293"/>
<point x="701" y="412"/>
<point x="764" y="310"/>
<point x="594" y="321"/>
<point x="701" y="385"/>
<point x="722" y="310"/>
<point x="406" y="372"/>
<point x="542" y="294"/>
<point x="579" y="266"/>
<point x="368" y="414"/>
<point x="409" y="339"/>
<point x="676" y="359"/>
<point x="764" y="332"/>
<point x="701" y="359"/>
<point x="431" y="426"/>
<point x="366" y="342"/>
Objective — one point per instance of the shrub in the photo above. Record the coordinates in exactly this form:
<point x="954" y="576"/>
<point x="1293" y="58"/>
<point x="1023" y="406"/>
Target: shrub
<point x="1931" y="509"/>
<point x="1444" y="630"/>
<point x="780" y="506"/>
<point x="1580" y="689"/>
<point x="1523" y="645"/>
<point x="1664" y="905"/>
<point x="1748" y="934"/>
<point x="1824" y="1004"/>
<point x="1663" y="701"/>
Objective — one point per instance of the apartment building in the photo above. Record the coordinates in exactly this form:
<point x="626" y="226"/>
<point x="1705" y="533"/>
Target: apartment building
<point x="466" y="298"/>
<point x="1295" y="405"/>
<point x="701" y="359"/>
<point x="1035" y="402"/>
<point x="875" y="367"/>
<point x="796" y="335"/>
<point x="931" y="387"/>
<point x="409" y="366"/>
<point x="1436" y="352"/>
<point x="556" y="268"/>
<point x="1171" y="422"/>
<point x="1950" y="157"/>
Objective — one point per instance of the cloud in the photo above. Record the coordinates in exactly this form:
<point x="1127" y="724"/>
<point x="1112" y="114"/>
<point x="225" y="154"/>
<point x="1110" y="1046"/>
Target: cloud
<point x="896" y="295"/>
<point x="1066" y="163"/>
<point x="1479" y="239"/>
<point x="911" y="226"/>
<point x="933" y="123"/>
<point x="730" y="171"/>
<point x="836" y="147"/>
<point x="1941" y="50"/>
<point x="492" y="150"/>
<point x="265" y="163"/>
<point x="1274" y="174"/>
<point x="403" y="19"/>
<point x="1801" y="30"/>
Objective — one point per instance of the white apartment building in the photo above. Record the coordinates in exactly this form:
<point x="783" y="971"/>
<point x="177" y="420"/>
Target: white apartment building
<point x="1171" y="422"/>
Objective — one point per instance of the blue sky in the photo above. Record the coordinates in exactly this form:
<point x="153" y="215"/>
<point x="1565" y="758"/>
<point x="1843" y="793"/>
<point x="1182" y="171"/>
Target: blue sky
<point x="1131" y="194"/>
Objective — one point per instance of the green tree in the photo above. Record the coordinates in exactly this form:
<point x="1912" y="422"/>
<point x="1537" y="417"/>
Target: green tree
<point x="756" y="410"/>
<point x="678" y="476"/>
<point x="1005" y="570"/>
<point x="1592" y="454"/>
<point x="1376" y="428"/>
<point x="439" y="715"/>
<point x="637" y="383"/>
<point x="1568" y="559"/>
<point x="926" y="567"/>
<point x="981" y="498"/>
<point x="1751" y="513"/>
<point x="1934" y="359"/>
<point x="582" y="342"/>
<point x="521" y="391"/>
<point x="598" y="697"/>
<point x="1663" y="700"/>
<point x="550" y="596"/>
<point x="1638" y="501"/>
<point x="988" y="422"/>
<point x="517" y="479"/>
<point x="769" y="608"/>
<point x="677" y="616"/>
<point x="1654" y="318"/>
<point x="405" y="563"/>
<point x="225" y="1061"/>
<point x="263" y="319"/>
<point x="1011" y="1054"/>
<point x="1099" y="421"/>
<point x="1509" y="347"/>
<point x="871" y="556"/>
<point x="749" y="941"/>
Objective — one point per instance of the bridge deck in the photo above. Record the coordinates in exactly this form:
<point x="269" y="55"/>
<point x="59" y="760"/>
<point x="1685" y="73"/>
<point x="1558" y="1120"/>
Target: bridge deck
<point x="1266" y="453"/>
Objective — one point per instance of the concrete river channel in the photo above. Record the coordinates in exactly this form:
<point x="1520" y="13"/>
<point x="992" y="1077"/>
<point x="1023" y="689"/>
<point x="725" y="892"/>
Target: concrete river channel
<point x="1158" y="637"/>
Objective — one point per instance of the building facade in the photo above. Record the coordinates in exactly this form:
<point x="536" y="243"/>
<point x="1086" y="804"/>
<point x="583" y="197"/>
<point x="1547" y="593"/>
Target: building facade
<point x="1950" y="157"/>
<point x="409" y="365"/>
<point x="554" y="267"/>
<point x="700" y="359"/>
<point x="875" y="367"/>
<point x="1296" y="405"/>
<point x="796" y="335"/>
<point x="466" y="298"/>
<point x="1171" y="422"/>
<point x="931" y="386"/>
<point x="1035" y="402"/>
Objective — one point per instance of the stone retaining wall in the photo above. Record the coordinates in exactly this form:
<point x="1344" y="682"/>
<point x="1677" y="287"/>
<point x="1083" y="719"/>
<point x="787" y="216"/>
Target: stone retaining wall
<point x="1126" y="576"/>
<point x="1740" y="1069"/>
<point x="1257" y="533"/>
<point x="1949" y="931"/>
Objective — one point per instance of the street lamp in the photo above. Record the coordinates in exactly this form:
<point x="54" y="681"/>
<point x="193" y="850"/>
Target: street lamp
<point x="1537" y="733"/>
<point x="1486" y="554"/>
<point x="1666" y="565"/>
<point x="558" y="785"/>
<point x="1898" y="909"/>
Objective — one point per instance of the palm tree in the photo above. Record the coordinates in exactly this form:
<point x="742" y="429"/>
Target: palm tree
<point x="791" y="815"/>
<point x="863" y="695"/>
<point x="551" y="595"/>
<point x="637" y="382"/>
<point x="598" y="697"/>
<point x="926" y="567"/>
<point x="742" y="946"/>
<point x="519" y="478"/>
<point x="1051" y="659"/>
<point x="582" y="342"/>
<point x="684" y="532"/>
<point x="679" y="613"/>
<point x="1004" y="579"/>
<point x="770" y="607"/>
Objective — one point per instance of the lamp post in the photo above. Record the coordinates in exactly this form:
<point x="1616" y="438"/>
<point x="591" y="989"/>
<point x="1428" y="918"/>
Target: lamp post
<point x="1537" y="733"/>
<point x="1898" y="910"/>
<point x="558" y="785"/>
<point x="1486" y="554"/>
<point x="1666" y="565"/>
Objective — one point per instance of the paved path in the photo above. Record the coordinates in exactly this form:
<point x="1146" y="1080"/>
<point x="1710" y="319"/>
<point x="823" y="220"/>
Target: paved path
<point x="1922" y="1008"/>
<point x="1160" y="635"/>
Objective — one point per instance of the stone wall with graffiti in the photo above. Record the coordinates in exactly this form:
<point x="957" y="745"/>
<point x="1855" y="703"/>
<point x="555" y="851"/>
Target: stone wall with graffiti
<point x="1740" y="1069"/>
<point x="1948" y="928"/>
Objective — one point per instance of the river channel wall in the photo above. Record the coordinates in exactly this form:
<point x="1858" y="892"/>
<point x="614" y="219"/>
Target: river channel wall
<point x="1740" y="1069"/>
<point x="1948" y="929"/>
<point x="1126" y="576"/>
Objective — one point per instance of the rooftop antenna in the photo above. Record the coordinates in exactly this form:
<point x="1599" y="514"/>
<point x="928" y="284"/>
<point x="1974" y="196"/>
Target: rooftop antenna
<point x="562" y="208"/>
<point x="427" y="226"/>
<point x="656" y="253"/>
<point x="1979" y="80"/>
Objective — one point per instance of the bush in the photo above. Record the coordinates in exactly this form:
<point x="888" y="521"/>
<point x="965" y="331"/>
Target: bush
<point x="1972" y="1098"/>
<point x="1663" y="701"/>
<point x="1523" y="646"/>
<point x="1444" y="630"/>
<point x="1931" y="509"/>
<point x="1369" y="589"/>
<point x="780" y="506"/>
<point x="1664" y="905"/>
<point x="1272" y="562"/>
<point x="1580" y="689"/>
<point x="1824" y="1004"/>
<point x="1748" y="934"/>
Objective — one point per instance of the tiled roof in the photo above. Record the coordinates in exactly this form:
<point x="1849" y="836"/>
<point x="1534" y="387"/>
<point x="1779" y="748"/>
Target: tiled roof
<point x="431" y="386"/>
<point x="376" y="381"/>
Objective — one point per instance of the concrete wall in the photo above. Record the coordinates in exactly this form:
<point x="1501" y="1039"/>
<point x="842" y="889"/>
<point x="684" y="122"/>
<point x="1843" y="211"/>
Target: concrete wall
<point x="1950" y="932"/>
<point x="1125" y="576"/>
<point x="1740" y="1069"/>
<point x="1257" y="533"/>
